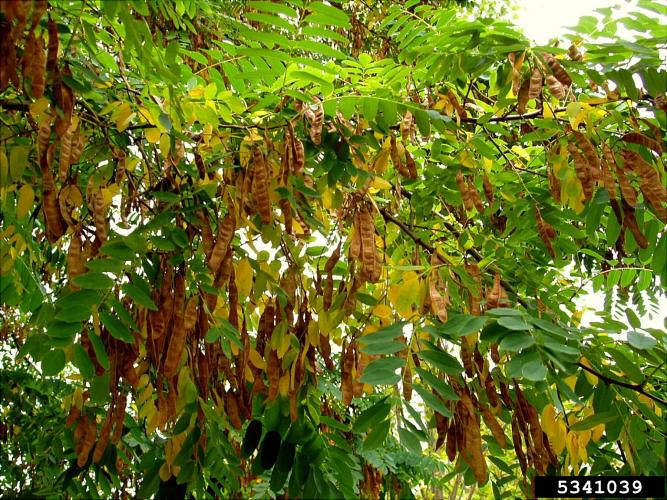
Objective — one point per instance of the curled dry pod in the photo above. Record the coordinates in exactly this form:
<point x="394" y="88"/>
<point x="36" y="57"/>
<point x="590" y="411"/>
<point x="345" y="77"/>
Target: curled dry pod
<point x="555" y="87"/>
<point x="406" y="125"/>
<point x="466" y="195"/>
<point x="273" y="372"/>
<point x="43" y="141"/>
<point x="226" y="229"/>
<point x="65" y="155"/>
<point x="574" y="53"/>
<point x="52" y="217"/>
<point x="582" y="170"/>
<point x="325" y="351"/>
<point x="299" y="155"/>
<point x="34" y="61"/>
<point x="260" y="186"/>
<point x="75" y="263"/>
<point x="460" y="110"/>
<point x="286" y="209"/>
<point x="100" y="216"/>
<point x="118" y="418"/>
<point x="52" y="57"/>
<point x="650" y="184"/>
<point x="86" y="444"/>
<point x="407" y="383"/>
<point x="642" y="140"/>
<point x="546" y="232"/>
<point x="589" y="153"/>
<point x="494" y="426"/>
<point x="477" y="201"/>
<point x="410" y="165"/>
<point x="488" y="188"/>
<point x="535" y="85"/>
<point x="78" y="146"/>
<point x="466" y="357"/>
<point x="558" y="70"/>
<point x="103" y="440"/>
<point x="438" y="292"/>
<point x="316" y="122"/>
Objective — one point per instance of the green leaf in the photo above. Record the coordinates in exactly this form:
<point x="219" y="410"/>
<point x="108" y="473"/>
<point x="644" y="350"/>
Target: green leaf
<point x="371" y="416"/>
<point x="439" y="385"/>
<point x="462" y="324"/>
<point x="82" y="361"/>
<point x="94" y="281"/>
<point x="513" y="323"/>
<point x="100" y="352"/>
<point x="592" y="421"/>
<point x="641" y="340"/>
<point x="442" y="360"/>
<point x="382" y="371"/>
<point x="534" y="371"/>
<point x="76" y="306"/>
<point x="117" y="328"/>
<point x="63" y="330"/>
<point x="433" y="401"/>
<point x="53" y="362"/>
<point x="386" y="348"/>
<point x="409" y="440"/>
<point x="516" y="342"/>
<point x="377" y="436"/>
<point x="139" y="296"/>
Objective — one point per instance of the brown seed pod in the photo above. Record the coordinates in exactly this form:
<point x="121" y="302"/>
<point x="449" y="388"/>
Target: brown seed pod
<point x="589" y="153"/>
<point x="452" y="440"/>
<point x="494" y="426"/>
<point x="608" y="182"/>
<point x="346" y="374"/>
<point x="43" y="141"/>
<point x="286" y="209"/>
<point x="650" y="184"/>
<point x="491" y="393"/>
<point x="65" y="154"/>
<point x="410" y="165"/>
<point x="582" y="170"/>
<point x="226" y="229"/>
<point x="630" y="222"/>
<point x="466" y="357"/>
<point x="273" y="372"/>
<point x="206" y="234"/>
<point x="232" y="408"/>
<point x="355" y="244"/>
<point x="86" y="444"/>
<point x="460" y="110"/>
<point x="464" y="189"/>
<point x="642" y="140"/>
<point x="558" y="70"/>
<point x="407" y="383"/>
<point x="438" y="293"/>
<point x="52" y="217"/>
<point x="179" y="333"/>
<point x="495" y="355"/>
<point x="536" y="82"/>
<point x="260" y="186"/>
<point x="371" y="267"/>
<point x="118" y="418"/>
<point x="475" y="295"/>
<point x="100" y="216"/>
<point x="78" y="146"/>
<point x="546" y="232"/>
<point x="75" y="262"/>
<point x="555" y="87"/>
<point x="523" y="96"/>
<point x="477" y="201"/>
<point x="518" y="449"/>
<point x="190" y="315"/>
<point x="441" y="426"/>
<point x="407" y="126"/>
<point x="574" y="53"/>
<point x="316" y="121"/>
<point x="488" y="189"/>
<point x="299" y="156"/>
<point x="34" y="64"/>
<point x="627" y="191"/>
<point x="103" y="440"/>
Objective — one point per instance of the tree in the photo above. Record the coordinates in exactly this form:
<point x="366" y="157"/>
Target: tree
<point x="319" y="249"/>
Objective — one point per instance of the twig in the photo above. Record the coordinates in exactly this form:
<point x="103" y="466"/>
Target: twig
<point x="635" y="387"/>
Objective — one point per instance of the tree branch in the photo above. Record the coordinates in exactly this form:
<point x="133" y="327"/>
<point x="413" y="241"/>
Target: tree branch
<point x="635" y="387"/>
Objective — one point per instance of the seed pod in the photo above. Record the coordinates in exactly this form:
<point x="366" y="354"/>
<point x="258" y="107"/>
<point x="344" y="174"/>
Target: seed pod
<point x="369" y="257"/>
<point x="477" y="201"/>
<point x="226" y="230"/>
<point x="52" y="57"/>
<point x="516" y="441"/>
<point x="407" y="125"/>
<point x="34" y="64"/>
<point x="86" y="444"/>
<point x="396" y="158"/>
<point x="299" y="156"/>
<point x="630" y="222"/>
<point x="494" y="427"/>
<point x="546" y="232"/>
<point x="491" y="393"/>
<point x="190" y="315"/>
<point x="407" y="384"/>
<point x="535" y="86"/>
<point x="232" y="408"/>
<point x="118" y="418"/>
<point x="75" y="263"/>
<point x="100" y="216"/>
<point x="466" y="195"/>
<point x="605" y="169"/>
<point x="650" y="184"/>
<point x="410" y="165"/>
<point x="65" y="153"/>
<point x="355" y="244"/>
<point x="273" y="372"/>
<point x="582" y="170"/>
<point x="574" y="53"/>
<point x="452" y="433"/>
<point x="179" y="333"/>
<point x="475" y="295"/>
<point x="495" y="355"/>
<point x="438" y="293"/>
<point x="43" y="141"/>
<point x="558" y="70"/>
<point x="346" y="374"/>
<point x="441" y="426"/>
<point x="286" y="209"/>
<point x="52" y="217"/>
<point x="316" y="122"/>
<point x="260" y="186"/>
<point x="488" y="189"/>
<point x="642" y="140"/>
<point x="103" y="440"/>
<point x="466" y="357"/>
<point x="590" y="155"/>
<point x="628" y="192"/>
<point x="555" y="87"/>
<point x="78" y="146"/>
<point x="523" y="96"/>
<point x="360" y="360"/>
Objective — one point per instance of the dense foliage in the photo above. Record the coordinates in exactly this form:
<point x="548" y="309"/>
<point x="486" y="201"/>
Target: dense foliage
<point x="326" y="249"/>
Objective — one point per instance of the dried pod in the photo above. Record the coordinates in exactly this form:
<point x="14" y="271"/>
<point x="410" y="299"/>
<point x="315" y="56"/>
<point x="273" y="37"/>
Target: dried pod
<point x="226" y="229"/>
<point x="589" y="153"/>
<point x="574" y="53"/>
<point x="286" y="209"/>
<point x="460" y="110"/>
<point x="496" y="296"/>
<point x="410" y="165"/>
<point x="518" y="449"/>
<point x="605" y="172"/>
<point x="260" y="186"/>
<point x="86" y="444"/>
<point x="75" y="262"/>
<point x="523" y="96"/>
<point x="555" y="87"/>
<point x="490" y="389"/>
<point x="630" y="222"/>
<point x="65" y="155"/>
<point x="371" y="267"/>
<point x="558" y="70"/>
<point x="407" y="383"/>
<point x="464" y="189"/>
<point x="99" y="212"/>
<point x="34" y="64"/>
<point x="441" y="426"/>
<point x="536" y="82"/>
<point x="546" y="232"/>
<point x="355" y="244"/>
<point x="407" y="126"/>
<point x="190" y="315"/>
<point x="178" y="334"/>
<point x="642" y="140"/>
<point x="628" y="192"/>
<point x="494" y="426"/>
<point x="438" y="293"/>
<point x="582" y="170"/>
<point x="477" y="201"/>
<point x="488" y="189"/>
<point x="466" y="357"/>
<point x="650" y="184"/>
<point x="232" y="408"/>
<point x="118" y="418"/>
<point x="452" y="440"/>
<point x="316" y="122"/>
<point x="103" y="440"/>
<point x="495" y="355"/>
<point x="346" y="374"/>
<point x="299" y="156"/>
<point x="273" y="372"/>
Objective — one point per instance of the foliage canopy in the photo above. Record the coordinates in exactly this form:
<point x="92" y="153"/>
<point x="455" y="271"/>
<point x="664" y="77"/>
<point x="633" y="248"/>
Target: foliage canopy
<point x="326" y="249"/>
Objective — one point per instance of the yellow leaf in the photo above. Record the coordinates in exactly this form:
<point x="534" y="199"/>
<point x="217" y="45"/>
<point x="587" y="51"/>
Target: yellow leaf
<point x="283" y="384"/>
<point x="122" y="116"/>
<point x="248" y="374"/>
<point x="402" y="295"/>
<point x="382" y="311"/>
<point x="244" y="276"/>
<point x="256" y="359"/>
<point x="592" y="379"/>
<point x="380" y="183"/>
<point x="26" y="197"/>
<point x="381" y="160"/>
<point x="571" y="381"/>
<point x="165" y="472"/>
<point x="152" y="135"/>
